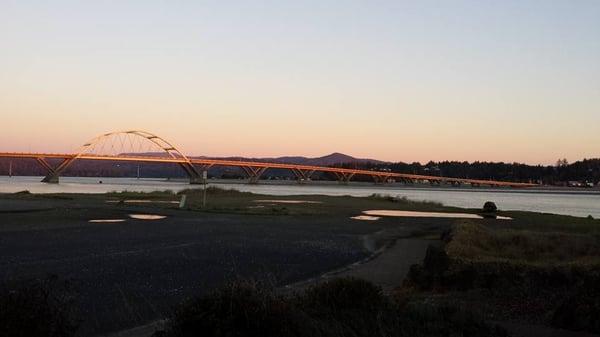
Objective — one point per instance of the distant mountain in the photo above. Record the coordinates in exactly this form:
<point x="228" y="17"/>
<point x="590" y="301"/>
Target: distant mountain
<point x="328" y="160"/>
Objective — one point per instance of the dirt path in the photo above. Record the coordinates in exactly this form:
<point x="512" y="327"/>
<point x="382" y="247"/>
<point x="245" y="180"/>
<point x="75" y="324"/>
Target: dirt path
<point x="389" y="268"/>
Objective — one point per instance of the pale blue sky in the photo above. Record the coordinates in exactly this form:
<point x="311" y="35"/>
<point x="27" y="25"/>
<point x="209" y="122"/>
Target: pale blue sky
<point x="395" y="80"/>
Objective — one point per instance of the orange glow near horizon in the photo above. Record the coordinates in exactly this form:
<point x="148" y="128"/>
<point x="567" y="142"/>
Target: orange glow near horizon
<point x="387" y="81"/>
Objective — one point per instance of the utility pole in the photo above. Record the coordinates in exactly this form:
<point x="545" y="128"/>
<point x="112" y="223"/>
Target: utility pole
<point x="10" y="169"/>
<point x="204" y="177"/>
<point x="138" y="172"/>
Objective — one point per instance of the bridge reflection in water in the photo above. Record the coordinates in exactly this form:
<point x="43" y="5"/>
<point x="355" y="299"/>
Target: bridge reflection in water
<point x="142" y="146"/>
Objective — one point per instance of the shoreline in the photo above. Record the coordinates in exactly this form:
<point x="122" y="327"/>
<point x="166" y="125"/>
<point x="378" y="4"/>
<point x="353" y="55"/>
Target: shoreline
<point x="542" y="189"/>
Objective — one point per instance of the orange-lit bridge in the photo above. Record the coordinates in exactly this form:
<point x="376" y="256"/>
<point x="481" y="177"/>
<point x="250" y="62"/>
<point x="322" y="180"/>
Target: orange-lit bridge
<point x="141" y="146"/>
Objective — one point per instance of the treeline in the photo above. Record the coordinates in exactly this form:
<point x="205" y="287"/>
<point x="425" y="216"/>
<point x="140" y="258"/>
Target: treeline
<point x="587" y="170"/>
<point x="584" y="171"/>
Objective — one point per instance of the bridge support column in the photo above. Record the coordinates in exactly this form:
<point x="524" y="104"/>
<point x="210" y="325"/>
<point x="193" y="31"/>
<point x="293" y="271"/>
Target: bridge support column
<point x="407" y="181"/>
<point x="343" y="177"/>
<point x="380" y="179"/>
<point x="53" y="172"/>
<point x="192" y="172"/>
<point x="254" y="173"/>
<point x="302" y="175"/>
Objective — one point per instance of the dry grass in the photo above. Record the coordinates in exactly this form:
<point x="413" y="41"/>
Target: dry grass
<point x="476" y="242"/>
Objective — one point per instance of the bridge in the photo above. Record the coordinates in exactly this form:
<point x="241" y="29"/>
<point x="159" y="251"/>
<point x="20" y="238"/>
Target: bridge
<point x="141" y="146"/>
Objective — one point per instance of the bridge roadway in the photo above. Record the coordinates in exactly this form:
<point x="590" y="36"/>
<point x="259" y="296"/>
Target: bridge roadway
<point x="254" y="169"/>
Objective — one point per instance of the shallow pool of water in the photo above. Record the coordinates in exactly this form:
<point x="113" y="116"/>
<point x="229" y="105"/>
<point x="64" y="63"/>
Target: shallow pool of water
<point x="106" y="220"/>
<point x="283" y="201"/>
<point x="147" y="216"/>
<point x="413" y="214"/>
<point x="366" y="217"/>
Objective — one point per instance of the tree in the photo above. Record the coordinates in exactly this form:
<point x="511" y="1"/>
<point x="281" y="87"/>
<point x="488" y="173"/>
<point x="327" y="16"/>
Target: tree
<point x="562" y="162"/>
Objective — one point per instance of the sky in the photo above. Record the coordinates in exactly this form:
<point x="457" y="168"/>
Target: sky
<point x="515" y="81"/>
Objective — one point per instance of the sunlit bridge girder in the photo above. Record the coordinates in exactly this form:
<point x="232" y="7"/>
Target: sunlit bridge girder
<point x="143" y="146"/>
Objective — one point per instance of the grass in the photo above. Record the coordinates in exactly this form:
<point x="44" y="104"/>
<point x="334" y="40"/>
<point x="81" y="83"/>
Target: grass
<point x="476" y="242"/>
<point x="233" y="201"/>
<point x="412" y="204"/>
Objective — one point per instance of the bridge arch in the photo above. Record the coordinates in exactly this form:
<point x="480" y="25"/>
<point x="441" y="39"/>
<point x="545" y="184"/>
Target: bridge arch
<point x="121" y="138"/>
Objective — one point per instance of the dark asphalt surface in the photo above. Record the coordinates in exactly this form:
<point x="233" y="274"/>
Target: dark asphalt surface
<point x="129" y="273"/>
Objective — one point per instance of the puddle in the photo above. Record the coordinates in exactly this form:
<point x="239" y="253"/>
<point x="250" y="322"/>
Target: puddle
<point x="413" y="214"/>
<point x="140" y="201"/>
<point x="106" y="220"/>
<point x="146" y="216"/>
<point x="283" y="201"/>
<point x="366" y="217"/>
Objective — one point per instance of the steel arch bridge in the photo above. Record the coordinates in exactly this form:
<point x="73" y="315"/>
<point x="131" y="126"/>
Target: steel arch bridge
<point x="142" y="146"/>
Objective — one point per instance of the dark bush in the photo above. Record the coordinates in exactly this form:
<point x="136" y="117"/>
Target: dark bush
<point x="426" y="320"/>
<point x="489" y="210"/>
<point x="36" y="308"/>
<point x="431" y="272"/>
<point x="242" y="308"/>
<point x="581" y="310"/>
<point x="340" y="307"/>
<point x="349" y="307"/>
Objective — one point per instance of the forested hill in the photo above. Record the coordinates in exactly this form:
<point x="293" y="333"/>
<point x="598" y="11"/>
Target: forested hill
<point x="587" y="170"/>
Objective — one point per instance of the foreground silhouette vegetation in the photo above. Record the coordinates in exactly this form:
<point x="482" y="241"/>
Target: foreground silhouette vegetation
<point x="339" y="307"/>
<point x="544" y="277"/>
<point x="37" y="308"/>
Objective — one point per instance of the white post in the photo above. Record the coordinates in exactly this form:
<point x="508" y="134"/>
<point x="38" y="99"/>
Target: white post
<point x="204" y="177"/>
<point x="182" y="201"/>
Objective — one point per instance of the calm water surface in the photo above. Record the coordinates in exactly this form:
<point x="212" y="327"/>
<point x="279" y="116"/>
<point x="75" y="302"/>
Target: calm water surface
<point x="577" y="203"/>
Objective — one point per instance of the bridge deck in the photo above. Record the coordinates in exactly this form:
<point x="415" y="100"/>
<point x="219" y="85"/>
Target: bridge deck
<point x="347" y="173"/>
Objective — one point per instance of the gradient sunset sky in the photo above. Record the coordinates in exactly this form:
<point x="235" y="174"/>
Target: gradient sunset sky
<point x="392" y="80"/>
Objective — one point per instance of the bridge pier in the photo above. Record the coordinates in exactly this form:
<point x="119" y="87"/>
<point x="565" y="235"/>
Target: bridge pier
<point x="343" y="177"/>
<point x="193" y="174"/>
<point x="254" y="173"/>
<point x="53" y="173"/>
<point x="196" y="180"/>
<point x="51" y="179"/>
<point x="380" y="180"/>
<point x="302" y="175"/>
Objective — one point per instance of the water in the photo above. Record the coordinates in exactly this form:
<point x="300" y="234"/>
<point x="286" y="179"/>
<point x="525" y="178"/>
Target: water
<point x="568" y="202"/>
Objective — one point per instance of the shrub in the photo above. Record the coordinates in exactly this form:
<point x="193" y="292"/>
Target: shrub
<point x="241" y="308"/>
<point x="340" y="307"/>
<point x="489" y="207"/>
<point x="349" y="307"/>
<point x="581" y="310"/>
<point x="428" y="320"/>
